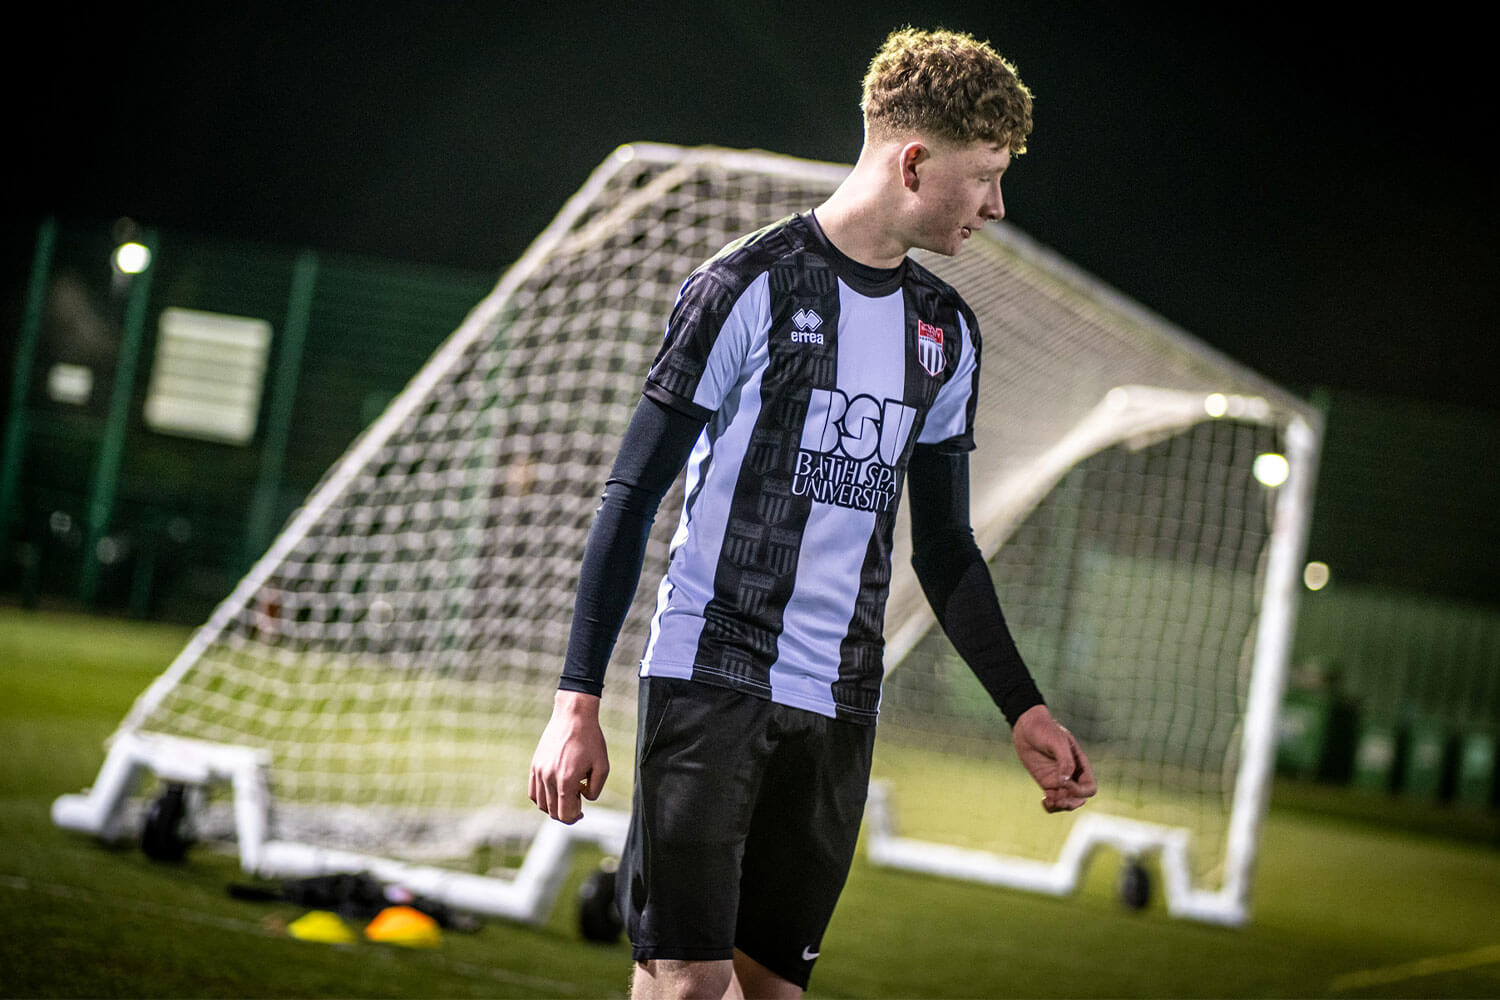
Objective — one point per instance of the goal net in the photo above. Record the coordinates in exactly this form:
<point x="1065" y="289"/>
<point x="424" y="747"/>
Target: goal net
<point x="369" y="695"/>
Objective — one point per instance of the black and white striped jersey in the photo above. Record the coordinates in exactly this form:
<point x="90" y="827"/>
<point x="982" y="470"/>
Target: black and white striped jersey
<point x="816" y="383"/>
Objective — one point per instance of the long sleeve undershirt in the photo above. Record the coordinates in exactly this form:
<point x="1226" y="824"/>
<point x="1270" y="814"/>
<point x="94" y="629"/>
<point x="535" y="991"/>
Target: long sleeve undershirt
<point x="655" y="448"/>
<point x="948" y="563"/>
<point x="956" y="580"/>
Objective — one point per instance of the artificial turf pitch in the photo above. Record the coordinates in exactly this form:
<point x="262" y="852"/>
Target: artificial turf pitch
<point x="1345" y="905"/>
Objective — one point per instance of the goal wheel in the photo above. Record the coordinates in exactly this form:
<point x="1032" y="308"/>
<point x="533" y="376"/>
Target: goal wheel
<point x="598" y="916"/>
<point x="1135" y="885"/>
<point x="163" y="837"/>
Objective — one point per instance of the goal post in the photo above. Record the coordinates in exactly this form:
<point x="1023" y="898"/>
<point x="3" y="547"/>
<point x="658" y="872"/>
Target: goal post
<point x="369" y="695"/>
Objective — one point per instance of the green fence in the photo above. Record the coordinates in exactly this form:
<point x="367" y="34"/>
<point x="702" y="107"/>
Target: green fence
<point x="1396" y="667"/>
<point x="1395" y="693"/>
<point x="161" y="425"/>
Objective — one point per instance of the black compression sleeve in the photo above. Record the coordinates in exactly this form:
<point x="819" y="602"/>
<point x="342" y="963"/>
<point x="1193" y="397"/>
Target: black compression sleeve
<point x="957" y="582"/>
<point x="653" y="451"/>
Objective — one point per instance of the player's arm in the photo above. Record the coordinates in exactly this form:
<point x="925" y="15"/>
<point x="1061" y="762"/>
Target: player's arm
<point x="571" y="761"/>
<point x="957" y="583"/>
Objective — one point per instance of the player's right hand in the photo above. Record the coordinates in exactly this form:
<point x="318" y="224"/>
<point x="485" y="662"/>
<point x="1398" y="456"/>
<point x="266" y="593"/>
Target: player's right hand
<point x="571" y="762"/>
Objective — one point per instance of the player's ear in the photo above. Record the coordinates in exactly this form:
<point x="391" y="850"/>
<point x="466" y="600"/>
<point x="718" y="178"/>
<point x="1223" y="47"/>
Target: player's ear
<point x="912" y="156"/>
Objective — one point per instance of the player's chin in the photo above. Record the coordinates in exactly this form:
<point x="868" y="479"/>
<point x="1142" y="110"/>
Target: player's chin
<point x="947" y="248"/>
<point x="947" y="244"/>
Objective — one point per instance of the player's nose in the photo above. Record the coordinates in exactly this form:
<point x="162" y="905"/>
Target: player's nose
<point x="994" y="209"/>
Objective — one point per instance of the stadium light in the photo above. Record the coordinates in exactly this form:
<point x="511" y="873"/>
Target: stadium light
<point x="1271" y="469"/>
<point x="132" y="257"/>
<point x="1216" y="405"/>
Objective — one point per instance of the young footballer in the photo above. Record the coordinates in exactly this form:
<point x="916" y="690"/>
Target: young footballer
<point x="811" y="372"/>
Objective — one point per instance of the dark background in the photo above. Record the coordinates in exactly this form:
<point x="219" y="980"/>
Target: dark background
<point x="1308" y="191"/>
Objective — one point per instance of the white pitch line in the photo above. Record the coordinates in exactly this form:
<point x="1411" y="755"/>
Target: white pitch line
<point x="1456" y="962"/>
<point x="19" y="883"/>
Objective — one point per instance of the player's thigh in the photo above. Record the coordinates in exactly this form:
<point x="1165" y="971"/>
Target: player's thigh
<point x="801" y="843"/>
<point x="697" y="770"/>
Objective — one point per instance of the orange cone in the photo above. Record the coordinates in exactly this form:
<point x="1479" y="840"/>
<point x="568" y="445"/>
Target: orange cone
<point x="405" y="926"/>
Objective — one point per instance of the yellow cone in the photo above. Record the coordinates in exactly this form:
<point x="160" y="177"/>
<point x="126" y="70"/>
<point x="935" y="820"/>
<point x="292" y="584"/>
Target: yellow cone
<point x="321" y="926"/>
<point x="403" y="925"/>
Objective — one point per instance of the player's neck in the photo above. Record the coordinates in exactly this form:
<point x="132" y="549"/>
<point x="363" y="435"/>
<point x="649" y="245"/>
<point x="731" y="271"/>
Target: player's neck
<point x="857" y="219"/>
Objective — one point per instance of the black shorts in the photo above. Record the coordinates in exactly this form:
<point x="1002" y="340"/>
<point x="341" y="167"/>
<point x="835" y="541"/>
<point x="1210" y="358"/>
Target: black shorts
<point x="744" y="824"/>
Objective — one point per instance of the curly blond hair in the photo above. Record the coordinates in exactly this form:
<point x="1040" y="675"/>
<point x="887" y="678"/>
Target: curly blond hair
<point x="947" y="85"/>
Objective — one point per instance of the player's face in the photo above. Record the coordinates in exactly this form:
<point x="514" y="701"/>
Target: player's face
<point x="957" y="192"/>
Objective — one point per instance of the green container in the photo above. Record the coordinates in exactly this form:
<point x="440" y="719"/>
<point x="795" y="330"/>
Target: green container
<point x="1302" y="732"/>
<point x="1425" y="769"/>
<point x="1477" y="783"/>
<point x="1377" y="748"/>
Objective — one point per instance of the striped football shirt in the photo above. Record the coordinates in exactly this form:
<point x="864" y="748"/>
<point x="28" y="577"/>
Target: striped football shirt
<point x="816" y="380"/>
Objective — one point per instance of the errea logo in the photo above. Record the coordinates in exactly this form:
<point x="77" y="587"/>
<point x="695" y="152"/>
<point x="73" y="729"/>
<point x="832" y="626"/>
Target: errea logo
<point x="805" y="325"/>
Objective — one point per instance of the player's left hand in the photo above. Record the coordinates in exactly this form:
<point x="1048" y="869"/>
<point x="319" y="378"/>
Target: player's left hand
<point x="1054" y="759"/>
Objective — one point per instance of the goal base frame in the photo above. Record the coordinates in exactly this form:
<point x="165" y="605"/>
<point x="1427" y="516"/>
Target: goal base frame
<point x="528" y="897"/>
<point x="1133" y="839"/>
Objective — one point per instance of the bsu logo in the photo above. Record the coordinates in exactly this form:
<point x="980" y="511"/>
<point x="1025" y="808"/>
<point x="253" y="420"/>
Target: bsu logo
<point x="850" y="448"/>
<point x="858" y="428"/>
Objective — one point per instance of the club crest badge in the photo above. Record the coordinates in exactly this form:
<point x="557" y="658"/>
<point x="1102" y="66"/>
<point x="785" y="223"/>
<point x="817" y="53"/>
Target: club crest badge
<point x="930" y="348"/>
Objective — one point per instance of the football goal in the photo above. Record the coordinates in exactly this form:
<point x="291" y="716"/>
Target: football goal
<point x="368" y="697"/>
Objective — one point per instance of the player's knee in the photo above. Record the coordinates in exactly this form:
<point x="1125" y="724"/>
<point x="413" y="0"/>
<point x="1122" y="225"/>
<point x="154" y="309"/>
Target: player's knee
<point x="756" y="982"/>
<point x="669" y="979"/>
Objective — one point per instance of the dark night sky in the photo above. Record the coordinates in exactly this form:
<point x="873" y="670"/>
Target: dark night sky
<point x="1307" y="194"/>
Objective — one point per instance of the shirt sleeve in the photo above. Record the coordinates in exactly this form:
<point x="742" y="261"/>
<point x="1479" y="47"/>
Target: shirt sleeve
<point x="714" y="328"/>
<point x="957" y="581"/>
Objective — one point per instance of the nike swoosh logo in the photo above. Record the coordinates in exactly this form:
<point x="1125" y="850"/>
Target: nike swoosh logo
<point x="808" y="954"/>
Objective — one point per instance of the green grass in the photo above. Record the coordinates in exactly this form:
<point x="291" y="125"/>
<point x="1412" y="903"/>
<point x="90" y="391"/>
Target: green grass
<point x="1345" y="905"/>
